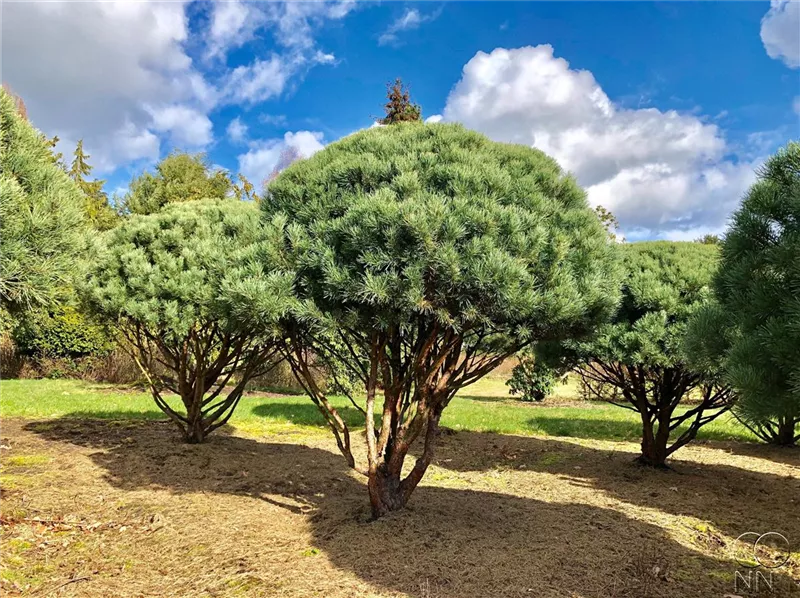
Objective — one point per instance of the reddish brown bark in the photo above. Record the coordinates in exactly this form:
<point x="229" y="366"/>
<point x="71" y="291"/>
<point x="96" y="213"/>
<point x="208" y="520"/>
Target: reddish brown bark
<point x="415" y="375"/>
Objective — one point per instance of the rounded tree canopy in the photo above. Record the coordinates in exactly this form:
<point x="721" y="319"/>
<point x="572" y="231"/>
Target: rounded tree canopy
<point x="170" y="271"/>
<point x="665" y="283"/>
<point x="41" y="215"/>
<point x="179" y="177"/>
<point x="433" y="220"/>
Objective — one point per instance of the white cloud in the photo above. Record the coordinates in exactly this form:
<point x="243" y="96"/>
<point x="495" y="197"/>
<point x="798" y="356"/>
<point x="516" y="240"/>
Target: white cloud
<point x="233" y="23"/>
<point x="237" y="130"/>
<point x="277" y="120"/>
<point x="188" y="127"/>
<point x="86" y="69"/>
<point x="659" y="172"/>
<point x="294" y="22"/>
<point x="258" y="81"/>
<point x="127" y="144"/>
<point x="780" y="32"/>
<point x="264" y="156"/>
<point x="434" y="118"/>
<point x="411" y="19"/>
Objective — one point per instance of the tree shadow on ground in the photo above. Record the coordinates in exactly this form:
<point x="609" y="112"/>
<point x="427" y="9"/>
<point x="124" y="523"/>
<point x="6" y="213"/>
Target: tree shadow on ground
<point x="578" y="427"/>
<point x="789" y="455"/>
<point x="448" y="542"/>
<point x="119" y="414"/>
<point x="489" y="399"/>
<point x="306" y="414"/>
<point x="611" y="429"/>
<point x="735" y="497"/>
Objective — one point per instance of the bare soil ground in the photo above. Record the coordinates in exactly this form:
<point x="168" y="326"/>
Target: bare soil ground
<point x="124" y="508"/>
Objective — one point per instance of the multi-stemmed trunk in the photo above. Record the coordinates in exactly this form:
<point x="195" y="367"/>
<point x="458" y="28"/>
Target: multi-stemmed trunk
<point x="655" y="440"/>
<point x="655" y="393"/>
<point x="416" y="374"/>
<point x="780" y="430"/>
<point x="388" y="489"/>
<point x="199" y="370"/>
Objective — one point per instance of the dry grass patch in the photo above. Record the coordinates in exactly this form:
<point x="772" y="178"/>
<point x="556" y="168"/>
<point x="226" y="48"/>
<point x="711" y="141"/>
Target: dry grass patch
<point x="127" y="509"/>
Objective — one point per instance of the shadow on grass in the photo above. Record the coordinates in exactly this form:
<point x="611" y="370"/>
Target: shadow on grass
<point x="306" y="414"/>
<point x="601" y="428"/>
<point x="734" y="496"/>
<point x="485" y="399"/>
<point x="119" y="414"/>
<point x="448" y="543"/>
<point x="578" y="427"/>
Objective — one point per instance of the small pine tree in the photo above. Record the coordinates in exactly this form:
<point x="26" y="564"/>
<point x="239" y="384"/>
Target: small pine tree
<point x="637" y="360"/>
<point x="56" y="157"/>
<point x="399" y="107"/>
<point x="427" y="277"/>
<point x="99" y="214"/>
<point x="164" y="280"/>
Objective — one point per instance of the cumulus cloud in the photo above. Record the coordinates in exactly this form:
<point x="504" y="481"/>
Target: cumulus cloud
<point x="118" y="76"/>
<point x="294" y="22"/>
<point x="258" y="81"/>
<point x="232" y="25"/>
<point x="780" y="32"/>
<point x="262" y="159"/>
<point x="87" y="70"/>
<point x="411" y="19"/>
<point x="237" y="130"/>
<point x="188" y="127"/>
<point x="660" y="172"/>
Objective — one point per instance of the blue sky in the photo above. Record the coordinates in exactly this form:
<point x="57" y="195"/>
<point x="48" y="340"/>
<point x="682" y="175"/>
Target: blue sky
<point x="661" y="110"/>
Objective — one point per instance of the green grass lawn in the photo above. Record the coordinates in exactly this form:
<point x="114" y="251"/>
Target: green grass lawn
<point x="484" y="407"/>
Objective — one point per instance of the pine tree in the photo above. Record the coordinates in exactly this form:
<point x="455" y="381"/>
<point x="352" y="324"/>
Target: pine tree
<point x="99" y="214"/>
<point x="609" y="221"/>
<point x="56" y="157"/>
<point x="399" y="107"/>
<point x="41" y="220"/>
<point x="164" y="281"/>
<point x="753" y="331"/>
<point x="637" y="360"/>
<point x="431" y="254"/>
<point x="244" y="190"/>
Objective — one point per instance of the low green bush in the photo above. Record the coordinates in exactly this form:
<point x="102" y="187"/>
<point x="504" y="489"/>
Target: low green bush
<point x="531" y="382"/>
<point x="61" y="331"/>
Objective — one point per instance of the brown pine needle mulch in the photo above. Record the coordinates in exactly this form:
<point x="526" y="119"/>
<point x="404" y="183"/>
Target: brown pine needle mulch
<point x="100" y="508"/>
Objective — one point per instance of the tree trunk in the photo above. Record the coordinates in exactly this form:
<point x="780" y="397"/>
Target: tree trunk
<point x="654" y="444"/>
<point x="195" y="433"/>
<point x="385" y="491"/>
<point x="388" y="491"/>
<point x="785" y="436"/>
